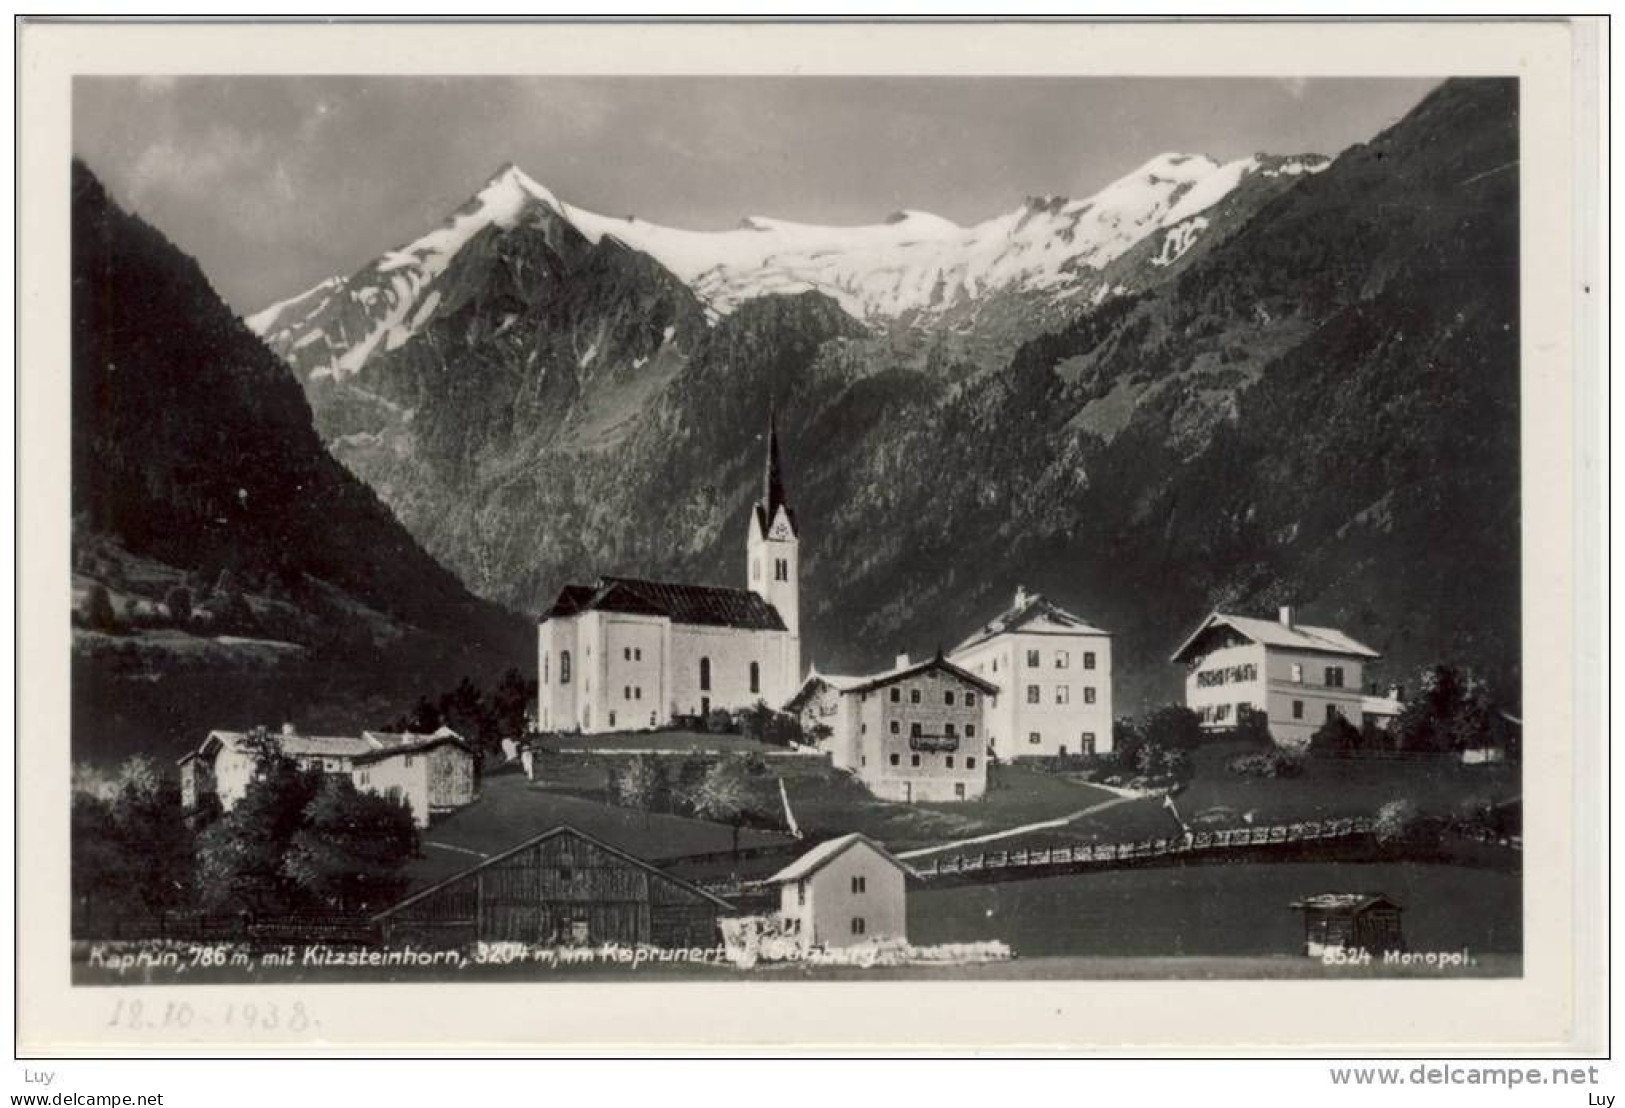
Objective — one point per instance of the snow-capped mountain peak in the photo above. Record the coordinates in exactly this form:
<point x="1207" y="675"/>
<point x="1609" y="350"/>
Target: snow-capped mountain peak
<point x="911" y="265"/>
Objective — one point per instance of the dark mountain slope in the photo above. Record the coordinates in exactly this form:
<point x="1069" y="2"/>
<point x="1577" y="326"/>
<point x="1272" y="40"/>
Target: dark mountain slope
<point x="194" y="450"/>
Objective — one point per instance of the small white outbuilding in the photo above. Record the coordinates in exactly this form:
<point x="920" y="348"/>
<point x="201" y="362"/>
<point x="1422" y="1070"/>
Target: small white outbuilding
<point x="843" y="892"/>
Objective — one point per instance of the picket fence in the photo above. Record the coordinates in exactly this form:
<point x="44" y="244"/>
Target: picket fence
<point x="1098" y="854"/>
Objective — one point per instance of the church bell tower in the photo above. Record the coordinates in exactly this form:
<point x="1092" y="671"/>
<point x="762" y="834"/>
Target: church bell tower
<point x="773" y="552"/>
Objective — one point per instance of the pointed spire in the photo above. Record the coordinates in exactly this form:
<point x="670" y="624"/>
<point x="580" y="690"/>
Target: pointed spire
<point x="773" y="475"/>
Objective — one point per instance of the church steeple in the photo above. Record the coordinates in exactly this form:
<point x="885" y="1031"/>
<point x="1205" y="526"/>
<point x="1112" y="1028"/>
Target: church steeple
<point x="773" y="495"/>
<point x="773" y="549"/>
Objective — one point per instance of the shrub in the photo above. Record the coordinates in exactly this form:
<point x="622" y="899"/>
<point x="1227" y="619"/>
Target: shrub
<point x="1336" y="736"/>
<point x="179" y="602"/>
<point x="1253" y="726"/>
<point x="1396" y="821"/>
<point x="720" y="722"/>
<point x="99" y="611"/>
<point x="1267" y="764"/>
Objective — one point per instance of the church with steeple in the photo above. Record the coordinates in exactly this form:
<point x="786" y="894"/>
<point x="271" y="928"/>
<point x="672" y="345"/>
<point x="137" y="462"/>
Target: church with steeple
<point x="627" y="653"/>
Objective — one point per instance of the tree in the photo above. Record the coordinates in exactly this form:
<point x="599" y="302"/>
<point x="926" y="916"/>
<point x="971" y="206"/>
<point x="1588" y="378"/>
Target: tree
<point x="510" y="704"/>
<point x="179" y="602"/>
<point x="1253" y="726"/>
<point x="1127" y="738"/>
<point x="158" y="846"/>
<point x="640" y="785"/>
<point x="1336" y="736"/>
<point x="1173" y="726"/>
<point x="240" y="855"/>
<point x="97" y="877"/>
<point x="99" y="611"/>
<point x="724" y="795"/>
<point x="231" y="608"/>
<point x="350" y="852"/>
<point x="690" y="779"/>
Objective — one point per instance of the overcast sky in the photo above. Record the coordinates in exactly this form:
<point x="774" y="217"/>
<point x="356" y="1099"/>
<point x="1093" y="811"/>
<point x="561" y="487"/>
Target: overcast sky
<point x="274" y="183"/>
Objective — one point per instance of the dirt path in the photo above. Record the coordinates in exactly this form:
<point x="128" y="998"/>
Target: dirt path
<point x="1043" y="825"/>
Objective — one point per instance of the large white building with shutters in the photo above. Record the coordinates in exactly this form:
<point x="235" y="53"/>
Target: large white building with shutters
<point x="1299" y="675"/>
<point x="1053" y="670"/>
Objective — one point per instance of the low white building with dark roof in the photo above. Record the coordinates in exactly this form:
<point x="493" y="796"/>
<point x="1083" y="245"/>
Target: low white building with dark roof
<point x="1053" y="670"/>
<point x="1299" y="675"/>
<point x="843" y="892"/>
<point x="431" y="773"/>
<point x="626" y="653"/>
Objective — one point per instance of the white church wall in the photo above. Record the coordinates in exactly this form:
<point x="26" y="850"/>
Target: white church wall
<point x="731" y="651"/>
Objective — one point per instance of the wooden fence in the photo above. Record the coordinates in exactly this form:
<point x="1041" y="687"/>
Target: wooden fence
<point x="1109" y="854"/>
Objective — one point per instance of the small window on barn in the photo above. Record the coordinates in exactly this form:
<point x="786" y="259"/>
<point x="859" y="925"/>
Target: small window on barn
<point x="564" y="667"/>
<point x="566" y="875"/>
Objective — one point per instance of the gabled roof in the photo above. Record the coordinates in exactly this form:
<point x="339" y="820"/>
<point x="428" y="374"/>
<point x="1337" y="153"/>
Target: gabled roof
<point x="561" y="829"/>
<point x="295" y="746"/>
<point x="386" y="744"/>
<point x="825" y="853"/>
<point x="838" y="682"/>
<point x="702" y="605"/>
<point x="1028" y="607"/>
<point x="1269" y="632"/>
<point x="1344" y="902"/>
<point x="881" y="680"/>
<point x="372" y="746"/>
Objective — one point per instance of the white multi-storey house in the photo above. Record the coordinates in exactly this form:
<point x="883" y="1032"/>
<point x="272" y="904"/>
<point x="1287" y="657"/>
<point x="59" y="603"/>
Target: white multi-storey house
<point x="1298" y="675"/>
<point x="626" y="653"/>
<point x="1053" y="670"/>
<point x="916" y="732"/>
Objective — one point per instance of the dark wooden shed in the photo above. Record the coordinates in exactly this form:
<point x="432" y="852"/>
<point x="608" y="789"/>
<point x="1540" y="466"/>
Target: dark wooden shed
<point x="562" y="887"/>
<point x="1350" y="921"/>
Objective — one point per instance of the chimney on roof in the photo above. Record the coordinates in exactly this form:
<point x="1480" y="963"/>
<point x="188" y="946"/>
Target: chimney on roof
<point x="287" y="729"/>
<point x="1286" y="616"/>
<point x="1021" y="596"/>
<point x="901" y="662"/>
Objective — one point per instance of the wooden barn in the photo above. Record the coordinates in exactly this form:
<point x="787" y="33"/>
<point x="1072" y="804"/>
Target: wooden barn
<point x="562" y="888"/>
<point x="1350" y="921"/>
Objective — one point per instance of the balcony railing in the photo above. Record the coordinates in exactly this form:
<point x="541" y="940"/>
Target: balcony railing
<point x="933" y="744"/>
